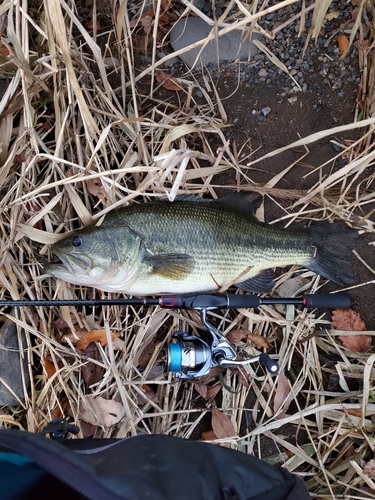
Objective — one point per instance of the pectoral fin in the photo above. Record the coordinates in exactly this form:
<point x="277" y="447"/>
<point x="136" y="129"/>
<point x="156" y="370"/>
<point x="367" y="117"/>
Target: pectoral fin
<point x="261" y="283"/>
<point x="174" y="266"/>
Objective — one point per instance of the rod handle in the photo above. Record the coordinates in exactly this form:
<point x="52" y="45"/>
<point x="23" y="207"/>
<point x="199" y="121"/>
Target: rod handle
<point x="340" y="300"/>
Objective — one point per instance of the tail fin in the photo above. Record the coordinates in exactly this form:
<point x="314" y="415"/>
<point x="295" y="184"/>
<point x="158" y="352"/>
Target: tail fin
<point x="334" y="244"/>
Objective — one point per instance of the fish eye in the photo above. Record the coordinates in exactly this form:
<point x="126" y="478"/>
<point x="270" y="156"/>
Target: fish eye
<point x="76" y="241"/>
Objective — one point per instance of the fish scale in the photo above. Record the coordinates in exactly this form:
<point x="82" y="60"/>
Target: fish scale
<point x="189" y="246"/>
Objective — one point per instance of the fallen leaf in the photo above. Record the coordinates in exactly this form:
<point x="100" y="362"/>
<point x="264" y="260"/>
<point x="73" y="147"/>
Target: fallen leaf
<point x="146" y="355"/>
<point x="349" y="320"/>
<point x="61" y="323"/>
<point x="165" y="4"/>
<point x="90" y="25"/>
<point x="207" y="391"/>
<point x="167" y="81"/>
<point x="369" y="468"/>
<point x="119" y="345"/>
<point x="282" y="392"/>
<point x="258" y="340"/>
<point x="100" y="412"/>
<point x="92" y="373"/>
<point x="332" y="15"/>
<point x="149" y="395"/>
<point x="209" y="435"/>
<point x="88" y="430"/>
<point x="4" y="51"/>
<point x="242" y="375"/>
<point x="49" y="366"/>
<point x="238" y="335"/>
<point x="222" y="424"/>
<point x="356" y="343"/>
<point x="96" y="188"/>
<point x="94" y="336"/>
<point x="146" y="21"/>
<point x="343" y="42"/>
<point x="74" y="337"/>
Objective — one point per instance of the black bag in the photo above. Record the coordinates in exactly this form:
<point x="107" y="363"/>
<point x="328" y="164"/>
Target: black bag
<point x="138" y="468"/>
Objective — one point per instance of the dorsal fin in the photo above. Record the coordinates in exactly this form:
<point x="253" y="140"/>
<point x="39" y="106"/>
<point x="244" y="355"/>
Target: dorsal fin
<point x="242" y="202"/>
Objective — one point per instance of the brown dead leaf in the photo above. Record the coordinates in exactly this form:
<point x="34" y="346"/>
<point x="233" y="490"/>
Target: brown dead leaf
<point x="167" y="81"/>
<point x="101" y="412"/>
<point x="238" y="335"/>
<point x="149" y="395"/>
<point x="119" y="345"/>
<point x="332" y="15"/>
<point x="74" y="337"/>
<point x="207" y="391"/>
<point x="146" y="355"/>
<point x="96" y="188"/>
<point x="242" y="375"/>
<point x="222" y="424"/>
<point x="349" y="320"/>
<point x="88" y="430"/>
<point x="4" y="51"/>
<point x="258" y="340"/>
<point x="94" y="336"/>
<point x="61" y="323"/>
<point x="209" y="435"/>
<point x="92" y="373"/>
<point x="90" y="25"/>
<point x="343" y="42"/>
<point x="146" y="21"/>
<point x="282" y="392"/>
<point x="356" y="343"/>
<point x="49" y="366"/>
<point x="369" y="468"/>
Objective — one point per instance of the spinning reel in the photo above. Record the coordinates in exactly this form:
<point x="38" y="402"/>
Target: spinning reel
<point x="190" y="357"/>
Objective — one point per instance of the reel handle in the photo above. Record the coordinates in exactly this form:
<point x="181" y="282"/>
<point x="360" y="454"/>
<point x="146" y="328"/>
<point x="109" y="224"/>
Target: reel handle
<point x="269" y="364"/>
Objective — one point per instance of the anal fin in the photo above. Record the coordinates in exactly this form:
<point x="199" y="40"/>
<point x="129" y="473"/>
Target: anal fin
<point x="263" y="282"/>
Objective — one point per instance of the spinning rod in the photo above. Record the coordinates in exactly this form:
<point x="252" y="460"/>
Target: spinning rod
<point x="190" y="357"/>
<point x="340" y="300"/>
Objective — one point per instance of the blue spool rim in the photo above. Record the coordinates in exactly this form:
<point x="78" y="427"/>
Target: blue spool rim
<point x="174" y="357"/>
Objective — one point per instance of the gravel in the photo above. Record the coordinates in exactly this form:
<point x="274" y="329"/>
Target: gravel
<point x="319" y="71"/>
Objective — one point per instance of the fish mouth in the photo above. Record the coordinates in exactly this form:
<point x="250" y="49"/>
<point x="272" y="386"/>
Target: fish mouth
<point x="72" y="263"/>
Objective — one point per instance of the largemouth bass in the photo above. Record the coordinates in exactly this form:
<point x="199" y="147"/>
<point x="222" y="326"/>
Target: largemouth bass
<point x="197" y="246"/>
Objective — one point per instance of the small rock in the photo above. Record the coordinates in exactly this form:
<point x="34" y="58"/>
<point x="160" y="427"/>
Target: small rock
<point x="111" y="62"/>
<point x="262" y="72"/>
<point x="291" y="100"/>
<point x="11" y="368"/>
<point x="266" y="111"/>
<point x="192" y="29"/>
<point x="260" y="117"/>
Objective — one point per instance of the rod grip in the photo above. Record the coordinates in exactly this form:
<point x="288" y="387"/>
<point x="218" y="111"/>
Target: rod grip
<point x="340" y="300"/>
<point x="269" y="364"/>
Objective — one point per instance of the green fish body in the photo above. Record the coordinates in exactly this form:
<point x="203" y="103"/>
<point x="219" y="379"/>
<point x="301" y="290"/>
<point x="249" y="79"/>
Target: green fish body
<point x="194" y="246"/>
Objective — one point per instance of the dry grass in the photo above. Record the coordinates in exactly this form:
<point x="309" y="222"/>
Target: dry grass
<point x="79" y="138"/>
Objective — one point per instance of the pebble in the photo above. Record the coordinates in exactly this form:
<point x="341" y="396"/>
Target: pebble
<point x="262" y="72"/>
<point x="192" y="29"/>
<point x="266" y="111"/>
